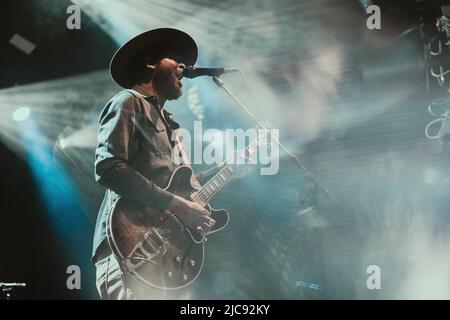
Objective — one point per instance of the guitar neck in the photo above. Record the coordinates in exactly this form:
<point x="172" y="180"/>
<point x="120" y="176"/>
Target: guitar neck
<point x="203" y="195"/>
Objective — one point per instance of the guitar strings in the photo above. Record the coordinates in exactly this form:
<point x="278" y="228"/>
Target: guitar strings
<point x="198" y="196"/>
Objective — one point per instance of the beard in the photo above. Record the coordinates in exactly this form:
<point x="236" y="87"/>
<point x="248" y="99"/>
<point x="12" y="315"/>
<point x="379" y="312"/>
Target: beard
<point x="166" y="82"/>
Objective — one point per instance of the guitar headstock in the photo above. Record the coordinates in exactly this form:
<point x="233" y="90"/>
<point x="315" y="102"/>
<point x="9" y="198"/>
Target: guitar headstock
<point x="262" y="139"/>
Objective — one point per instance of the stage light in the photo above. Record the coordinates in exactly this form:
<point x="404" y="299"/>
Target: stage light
<point x="62" y="143"/>
<point x="53" y="105"/>
<point x="21" y="114"/>
<point x="57" y="190"/>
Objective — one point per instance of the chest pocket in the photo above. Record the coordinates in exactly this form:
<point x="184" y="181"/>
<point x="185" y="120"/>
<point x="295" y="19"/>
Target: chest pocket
<point x="154" y="133"/>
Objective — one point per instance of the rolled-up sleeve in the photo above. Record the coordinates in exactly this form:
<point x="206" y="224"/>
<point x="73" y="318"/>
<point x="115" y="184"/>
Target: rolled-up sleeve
<point x="116" y="135"/>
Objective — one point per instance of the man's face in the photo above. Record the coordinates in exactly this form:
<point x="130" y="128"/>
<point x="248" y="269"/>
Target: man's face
<point x="167" y="76"/>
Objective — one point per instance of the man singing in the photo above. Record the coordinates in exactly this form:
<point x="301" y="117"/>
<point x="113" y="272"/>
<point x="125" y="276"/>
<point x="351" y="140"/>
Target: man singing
<point x="133" y="159"/>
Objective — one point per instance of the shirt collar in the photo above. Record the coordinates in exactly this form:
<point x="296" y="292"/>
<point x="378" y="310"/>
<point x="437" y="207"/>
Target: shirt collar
<point x="154" y="101"/>
<point x="150" y="98"/>
<point x="172" y="123"/>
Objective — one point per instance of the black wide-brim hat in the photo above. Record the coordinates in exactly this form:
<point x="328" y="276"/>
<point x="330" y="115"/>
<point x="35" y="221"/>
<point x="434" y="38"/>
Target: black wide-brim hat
<point x="128" y="63"/>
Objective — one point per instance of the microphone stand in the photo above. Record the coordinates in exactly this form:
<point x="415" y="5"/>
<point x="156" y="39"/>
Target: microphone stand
<point x="298" y="163"/>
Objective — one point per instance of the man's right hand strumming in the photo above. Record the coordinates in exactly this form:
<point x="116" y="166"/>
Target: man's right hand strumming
<point x="192" y="214"/>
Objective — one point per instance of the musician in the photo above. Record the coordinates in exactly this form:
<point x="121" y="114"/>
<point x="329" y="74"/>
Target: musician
<point x="134" y="159"/>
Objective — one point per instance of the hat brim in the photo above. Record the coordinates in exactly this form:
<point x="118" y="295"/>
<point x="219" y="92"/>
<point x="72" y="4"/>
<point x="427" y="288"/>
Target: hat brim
<point x="127" y="63"/>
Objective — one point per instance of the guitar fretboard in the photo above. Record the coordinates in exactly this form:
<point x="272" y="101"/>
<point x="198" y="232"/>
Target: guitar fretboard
<point x="203" y="195"/>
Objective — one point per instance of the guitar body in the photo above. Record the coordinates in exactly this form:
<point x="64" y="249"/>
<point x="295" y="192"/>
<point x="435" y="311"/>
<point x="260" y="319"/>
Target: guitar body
<point x="155" y="247"/>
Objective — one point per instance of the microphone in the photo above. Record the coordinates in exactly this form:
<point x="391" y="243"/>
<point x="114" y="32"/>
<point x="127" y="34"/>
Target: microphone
<point x="193" y="72"/>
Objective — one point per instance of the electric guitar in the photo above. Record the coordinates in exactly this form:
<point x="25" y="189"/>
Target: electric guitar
<point x="155" y="247"/>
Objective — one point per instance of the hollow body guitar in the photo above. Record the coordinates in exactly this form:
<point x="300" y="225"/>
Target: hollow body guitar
<point x="155" y="247"/>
